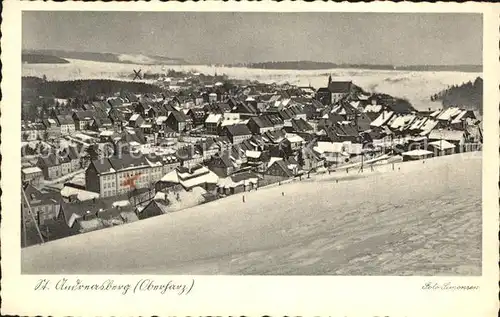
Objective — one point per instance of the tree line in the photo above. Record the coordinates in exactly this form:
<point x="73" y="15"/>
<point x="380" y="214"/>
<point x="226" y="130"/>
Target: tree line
<point x="467" y="95"/>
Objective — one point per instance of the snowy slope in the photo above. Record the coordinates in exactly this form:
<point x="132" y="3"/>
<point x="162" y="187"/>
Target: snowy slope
<point x="415" y="86"/>
<point x="420" y="219"/>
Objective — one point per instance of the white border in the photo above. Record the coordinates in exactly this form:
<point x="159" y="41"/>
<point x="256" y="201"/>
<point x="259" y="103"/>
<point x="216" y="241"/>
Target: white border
<point x="251" y="295"/>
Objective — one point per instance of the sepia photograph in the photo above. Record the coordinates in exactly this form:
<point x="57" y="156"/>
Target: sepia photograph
<point x="251" y="143"/>
<point x="250" y="159"/>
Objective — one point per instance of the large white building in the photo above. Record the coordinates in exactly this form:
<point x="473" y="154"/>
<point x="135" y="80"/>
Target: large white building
<point x="115" y="176"/>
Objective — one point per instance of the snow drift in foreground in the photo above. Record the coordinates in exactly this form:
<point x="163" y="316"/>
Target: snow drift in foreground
<point x="417" y="87"/>
<point x="424" y="219"/>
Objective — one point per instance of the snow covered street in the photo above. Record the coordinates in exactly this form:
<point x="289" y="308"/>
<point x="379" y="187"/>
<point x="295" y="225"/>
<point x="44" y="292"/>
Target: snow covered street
<point x="422" y="218"/>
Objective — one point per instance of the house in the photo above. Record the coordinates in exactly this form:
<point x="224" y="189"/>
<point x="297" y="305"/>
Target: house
<point x="119" y="117"/>
<point x="237" y="133"/>
<point x="74" y="192"/>
<point x="190" y="156"/>
<point x="208" y="148"/>
<point x="212" y="123"/>
<point x="247" y="108"/>
<point x="311" y="159"/>
<point x="157" y="110"/>
<point x="179" y="121"/>
<point x="198" y="116"/>
<point x="52" y="127"/>
<point x="90" y="215"/>
<point x="101" y="106"/>
<point x="115" y="102"/>
<point x="44" y="205"/>
<point x="441" y="147"/>
<point x="456" y="137"/>
<point x="66" y="124"/>
<point x="212" y="97"/>
<point x="255" y="143"/>
<point x="222" y="164"/>
<point x="340" y="133"/>
<point x="156" y="207"/>
<point x="32" y="175"/>
<point x="188" y="178"/>
<point x="459" y="122"/>
<point x="65" y="164"/>
<point x="147" y="128"/>
<point x="259" y="125"/>
<point x="293" y="142"/>
<point x="82" y="119"/>
<point x="419" y="154"/>
<point x="135" y="121"/>
<point x="239" y="182"/>
<point x="273" y="137"/>
<point x="277" y="171"/>
<point x="120" y="175"/>
<point x="50" y="166"/>
<point x="170" y="162"/>
<point x="100" y="124"/>
<point x="299" y="126"/>
<point x="33" y="131"/>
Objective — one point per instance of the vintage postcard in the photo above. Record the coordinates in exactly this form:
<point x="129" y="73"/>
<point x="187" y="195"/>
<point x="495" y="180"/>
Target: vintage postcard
<point x="316" y="159"/>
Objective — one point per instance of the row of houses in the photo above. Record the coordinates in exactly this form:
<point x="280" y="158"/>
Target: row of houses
<point x="234" y="143"/>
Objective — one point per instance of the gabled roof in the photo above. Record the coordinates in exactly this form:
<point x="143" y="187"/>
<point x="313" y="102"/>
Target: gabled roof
<point x="84" y="115"/>
<point x="244" y="107"/>
<point x="286" y="114"/>
<point x="451" y="135"/>
<point x="274" y="119"/>
<point x="262" y="122"/>
<point x="135" y="135"/>
<point x="224" y="107"/>
<point x="213" y="118"/>
<point x="115" y="102"/>
<point x="65" y="120"/>
<point x="283" y="166"/>
<point x="127" y="161"/>
<point x="238" y="130"/>
<point x="196" y="113"/>
<point x="300" y="125"/>
<point x="180" y="116"/>
<point x="41" y="198"/>
<point x="49" y="161"/>
<point x="382" y="119"/>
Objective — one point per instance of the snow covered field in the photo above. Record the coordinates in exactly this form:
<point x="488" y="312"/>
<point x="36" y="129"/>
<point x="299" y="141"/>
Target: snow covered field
<point x="420" y="219"/>
<point x="415" y="86"/>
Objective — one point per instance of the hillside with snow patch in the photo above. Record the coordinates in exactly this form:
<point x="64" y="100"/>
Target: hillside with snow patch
<point x="422" y="218"/>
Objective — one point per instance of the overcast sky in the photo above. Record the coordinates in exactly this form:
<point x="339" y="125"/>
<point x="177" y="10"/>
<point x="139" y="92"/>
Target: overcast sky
<point x="398" y="39"/>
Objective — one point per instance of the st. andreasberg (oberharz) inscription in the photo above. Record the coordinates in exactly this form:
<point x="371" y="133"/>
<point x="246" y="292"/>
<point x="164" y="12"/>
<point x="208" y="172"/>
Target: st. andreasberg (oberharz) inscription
<point x="109" y="285"/>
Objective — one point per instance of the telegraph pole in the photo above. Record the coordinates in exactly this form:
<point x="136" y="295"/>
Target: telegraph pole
<point x="32" y="217"/>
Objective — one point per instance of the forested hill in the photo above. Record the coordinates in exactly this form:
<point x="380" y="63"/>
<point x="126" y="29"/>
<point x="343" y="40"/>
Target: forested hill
<point x="310" y="65"/>
<point x="42" y="59"/>
<point x="110" y="57"/>
<point x="468" y="95"/>
<point x="34" y="87"/>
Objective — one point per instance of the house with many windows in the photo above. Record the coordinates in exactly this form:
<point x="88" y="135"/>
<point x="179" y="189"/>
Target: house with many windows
<point x="120" y="175"/>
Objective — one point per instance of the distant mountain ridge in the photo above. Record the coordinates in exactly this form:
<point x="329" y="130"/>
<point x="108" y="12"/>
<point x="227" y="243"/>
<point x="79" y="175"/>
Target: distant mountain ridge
<point x="142" y="59"/>
<point x="310" y="65"/>
<point x="33" y="58"/>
